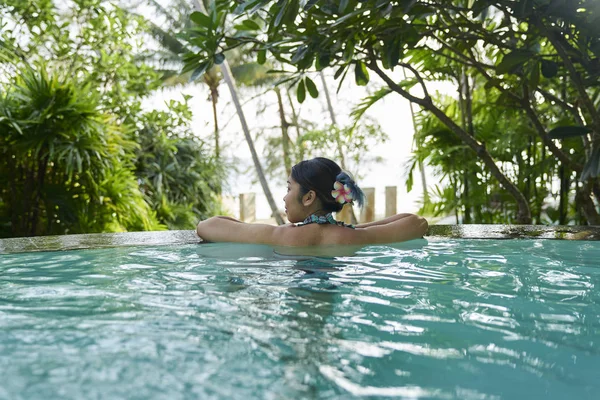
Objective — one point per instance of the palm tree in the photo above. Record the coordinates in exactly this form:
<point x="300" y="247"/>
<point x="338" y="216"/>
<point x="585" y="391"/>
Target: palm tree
<point x="168" y="58"/>
<point x="348" y="208"/>
<point x="230" y="81"/>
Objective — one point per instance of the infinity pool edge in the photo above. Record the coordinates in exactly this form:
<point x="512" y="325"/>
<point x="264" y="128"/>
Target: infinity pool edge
<point x="157" y="238"/>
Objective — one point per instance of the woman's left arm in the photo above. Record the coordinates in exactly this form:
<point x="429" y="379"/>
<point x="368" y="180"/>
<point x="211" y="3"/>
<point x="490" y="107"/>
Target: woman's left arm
<point x="225" y="229"/>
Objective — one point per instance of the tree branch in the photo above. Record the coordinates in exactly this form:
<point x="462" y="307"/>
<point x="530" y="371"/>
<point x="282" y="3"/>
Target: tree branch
<point x="524" y="213"/>
<point x="419" y="79"/>
<point x="585" y="99"/>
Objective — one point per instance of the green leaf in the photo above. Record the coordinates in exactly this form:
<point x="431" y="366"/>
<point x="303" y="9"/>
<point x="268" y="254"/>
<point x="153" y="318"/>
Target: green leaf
<point x="595" y="48"/>
<point x="549" y="69"/>
<point x="191" y="61"/>
<point x="512" y="60"/>
<point x="349" y="51"/>
<point x="310" y="3"/>
<point x="347" y="17"/>
<point x="201" y="19"/>
<point x="299" y="55"/>
<point x="219" y="58"/>
<point x="562" y="132"/>
<point x="591" y="169"/>
<point x="489" y="85"/>
<point x="306" y="62"/>
<point x="534" y="76"/>
<point x="261" y="56"/>
<point x="361" y="75"/>
<point x="251" y="25"/>
<point x="281" y="13"/>
<point x="524" y="8"/>
<point x="242" y="28"/>
<point x="340" y="71"/>
<point x="291" y="12"/>
<point x="245" y="5"/>
<point x="392" y="53"/>
<point x="323" y="61"/>
<point x="200" y="70"/>
<point x="301" y="92"/>
<point x="342" y="6"/>
<point x="342" y="79"/>
<point x="311" y="87"/>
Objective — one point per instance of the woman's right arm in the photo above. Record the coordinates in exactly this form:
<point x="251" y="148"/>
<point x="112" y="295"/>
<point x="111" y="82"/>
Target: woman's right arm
<point x="385" y="221"/>
<point x="399" y="228"/>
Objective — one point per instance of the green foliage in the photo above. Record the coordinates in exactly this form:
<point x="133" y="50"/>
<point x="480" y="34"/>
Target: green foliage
<point x="66" y="165"/>
<point x="178" y="177"/>
<point x="72" y="126"/>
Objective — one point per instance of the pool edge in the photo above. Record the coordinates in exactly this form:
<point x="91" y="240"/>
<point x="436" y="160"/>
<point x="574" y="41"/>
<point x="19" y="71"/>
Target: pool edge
<point x="97" y="240"/>
<point x="159" y="238"/>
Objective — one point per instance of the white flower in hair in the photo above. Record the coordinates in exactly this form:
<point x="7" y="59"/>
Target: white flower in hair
<point x="342" y="193"/>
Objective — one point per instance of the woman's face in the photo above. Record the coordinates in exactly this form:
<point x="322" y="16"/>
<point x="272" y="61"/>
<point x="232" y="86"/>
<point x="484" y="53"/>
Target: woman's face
<point x="295" y="211"/>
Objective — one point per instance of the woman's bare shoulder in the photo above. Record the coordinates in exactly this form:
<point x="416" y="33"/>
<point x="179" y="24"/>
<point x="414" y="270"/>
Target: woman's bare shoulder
<point x="292" y="235"/>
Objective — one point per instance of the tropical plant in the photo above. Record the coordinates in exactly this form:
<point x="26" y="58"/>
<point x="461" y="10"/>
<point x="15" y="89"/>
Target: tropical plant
<point x="71" y="116"/>
<point x="65" y="163"/>
<point x="178" y="177"/>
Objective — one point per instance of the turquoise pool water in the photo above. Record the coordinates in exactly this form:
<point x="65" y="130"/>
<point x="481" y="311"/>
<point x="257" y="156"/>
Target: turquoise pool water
<point x="463" y="319"/>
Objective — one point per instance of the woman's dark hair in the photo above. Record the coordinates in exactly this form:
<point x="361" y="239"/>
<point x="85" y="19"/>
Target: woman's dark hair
<point x="319" y="174"/>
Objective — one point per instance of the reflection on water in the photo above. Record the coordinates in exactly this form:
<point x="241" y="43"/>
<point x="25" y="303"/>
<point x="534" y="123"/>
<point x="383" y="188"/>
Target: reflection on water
<point x="445" y="319"/>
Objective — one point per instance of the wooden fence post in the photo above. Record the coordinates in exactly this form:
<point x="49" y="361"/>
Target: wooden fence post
<point x="344" y="215"/>
<point x="391" y="195"/>
<point x="367" y="214"/>
<point x="247" y="207"/>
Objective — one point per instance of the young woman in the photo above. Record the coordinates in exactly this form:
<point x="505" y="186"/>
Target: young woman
<point x="316" y="189"/>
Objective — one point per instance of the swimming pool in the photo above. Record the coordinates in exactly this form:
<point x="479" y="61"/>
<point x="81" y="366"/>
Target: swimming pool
<point x="444" y="318"/>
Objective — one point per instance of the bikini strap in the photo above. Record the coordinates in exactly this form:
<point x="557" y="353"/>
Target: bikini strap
<point x="324" y="219"/>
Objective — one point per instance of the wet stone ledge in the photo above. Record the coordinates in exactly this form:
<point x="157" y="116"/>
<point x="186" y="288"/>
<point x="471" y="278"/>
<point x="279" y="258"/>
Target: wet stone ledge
<point x="107" y="240"/>
<point x="558" y="232"/>
<point x="97" y="240"/>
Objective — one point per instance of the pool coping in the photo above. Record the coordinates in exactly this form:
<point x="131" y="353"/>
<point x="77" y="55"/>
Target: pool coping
<point x="160" y="238"/>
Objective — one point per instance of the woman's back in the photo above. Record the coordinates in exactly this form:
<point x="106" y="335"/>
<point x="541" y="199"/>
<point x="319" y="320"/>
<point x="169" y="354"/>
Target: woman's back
<point x="398" y="228"/>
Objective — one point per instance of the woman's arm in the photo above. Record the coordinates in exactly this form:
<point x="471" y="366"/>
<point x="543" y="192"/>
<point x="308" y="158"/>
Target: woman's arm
<point x="228" y="218"/>
<point x="226" y="229"/>
<point x="400" y="228"/>
<point x="385" y="221"/>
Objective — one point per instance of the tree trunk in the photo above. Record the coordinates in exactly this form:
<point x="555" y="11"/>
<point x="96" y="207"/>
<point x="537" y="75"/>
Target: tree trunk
<point x="285" y="139"/>
<point x="421" y="166"/>
<point x="587" y="206"/>
<point x="228" y="78"/>
<point x="41" y="174"/>
<point x="295" y="117"/>
<point x="338" y="141"/>
<point x="564" y="196"/>
<point x="214" y="96"/>
<point x="596" y="190"/>
<point x="333" y="121"/>
<point x="463" y="95"/>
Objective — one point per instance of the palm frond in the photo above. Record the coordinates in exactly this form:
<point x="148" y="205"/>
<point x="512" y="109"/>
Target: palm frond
<point x="366" y="103"/>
